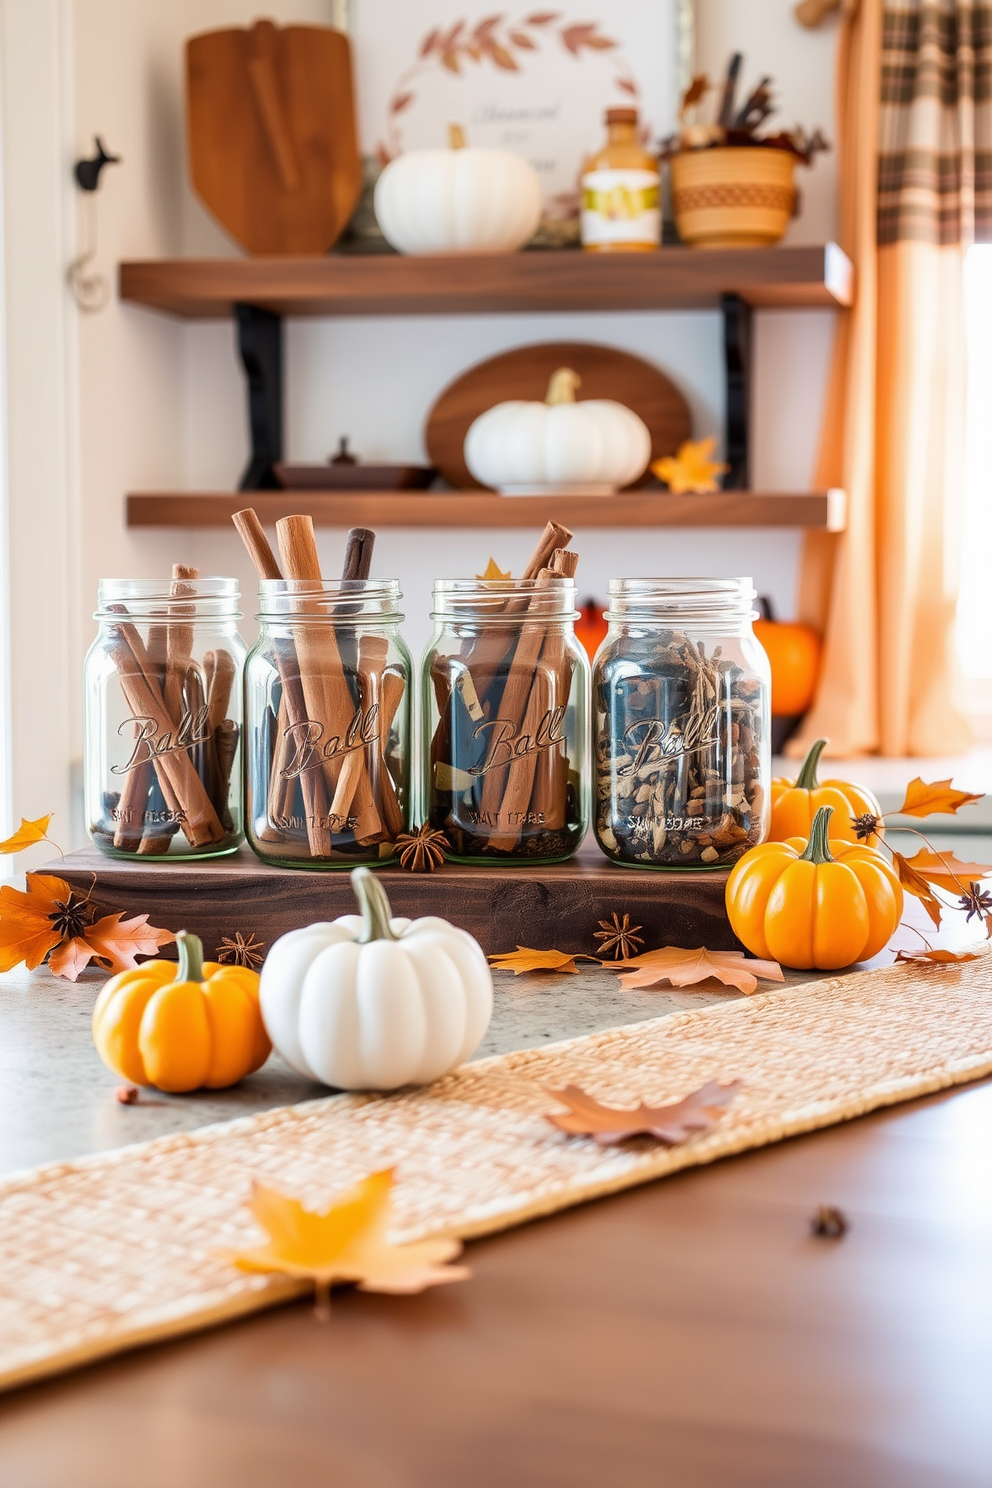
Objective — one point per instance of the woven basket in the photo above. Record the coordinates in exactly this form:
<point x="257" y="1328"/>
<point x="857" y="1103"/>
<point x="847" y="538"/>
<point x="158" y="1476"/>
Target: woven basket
<point x="733" y="198"/>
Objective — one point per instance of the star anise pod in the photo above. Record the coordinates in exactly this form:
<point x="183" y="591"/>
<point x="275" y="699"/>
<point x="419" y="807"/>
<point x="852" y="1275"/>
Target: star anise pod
<point x="71" y="916"/>
<point x="865" y="826"/>
<point x="422" y="850"/>
<point x="241" y="950"/>
<point x="977" y="902"/>
<point x="620" y="938"/>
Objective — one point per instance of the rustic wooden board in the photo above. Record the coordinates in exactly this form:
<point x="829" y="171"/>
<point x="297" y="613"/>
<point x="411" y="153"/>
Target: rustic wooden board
<point x="558" y="906"/>
<point x="525" y="372"/>
<point x="272" y="145"/>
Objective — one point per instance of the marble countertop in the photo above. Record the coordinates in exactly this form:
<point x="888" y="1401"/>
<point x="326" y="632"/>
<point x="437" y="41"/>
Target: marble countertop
<point x="58" y="1101"/>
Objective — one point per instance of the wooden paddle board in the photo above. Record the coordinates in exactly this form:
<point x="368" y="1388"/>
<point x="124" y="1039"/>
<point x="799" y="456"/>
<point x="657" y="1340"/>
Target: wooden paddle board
<point x="273" y="149"/>
<point x="525" y="373"/>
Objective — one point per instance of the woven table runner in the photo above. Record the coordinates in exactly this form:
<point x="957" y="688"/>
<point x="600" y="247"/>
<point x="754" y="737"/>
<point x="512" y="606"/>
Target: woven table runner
<point x="122" y="1248"/>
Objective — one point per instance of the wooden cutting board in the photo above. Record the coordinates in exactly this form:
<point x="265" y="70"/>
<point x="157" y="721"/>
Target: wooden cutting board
<point x="273" y="149"/>
<point x="525" y="372"/>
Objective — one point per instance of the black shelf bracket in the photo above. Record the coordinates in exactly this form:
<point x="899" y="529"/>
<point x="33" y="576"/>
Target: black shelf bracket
<point x="737" y="357"/>
<point x="260" y="348"/>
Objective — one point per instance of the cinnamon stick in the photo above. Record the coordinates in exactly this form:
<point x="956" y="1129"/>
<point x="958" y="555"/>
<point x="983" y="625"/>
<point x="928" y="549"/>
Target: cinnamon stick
<point x="325" y="687"/>
<point x="506" y="792"/>
<point x="173" y="767"/>
<point x="131" y="807"/>
<point x="311" y="781"/>
<point x="168" y="655"/>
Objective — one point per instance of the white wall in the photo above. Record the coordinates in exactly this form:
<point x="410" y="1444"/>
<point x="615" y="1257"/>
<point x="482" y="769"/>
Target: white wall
<point x="161" y="403"/>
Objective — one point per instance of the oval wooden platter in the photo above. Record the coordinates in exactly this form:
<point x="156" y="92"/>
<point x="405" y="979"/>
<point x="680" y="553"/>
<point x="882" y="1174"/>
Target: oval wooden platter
<point x="524" y="373"/>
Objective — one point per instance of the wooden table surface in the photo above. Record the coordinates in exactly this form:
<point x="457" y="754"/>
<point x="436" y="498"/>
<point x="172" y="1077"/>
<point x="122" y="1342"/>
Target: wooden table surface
<point x="685" y="1334"/>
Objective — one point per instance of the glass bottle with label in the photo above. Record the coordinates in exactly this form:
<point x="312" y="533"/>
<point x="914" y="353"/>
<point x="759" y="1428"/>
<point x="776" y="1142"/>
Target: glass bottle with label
<point x="681" y="690"/>
<point x="621" y="191"/>
<point x="327" y="688"/>
<point x="163" y="719"/>
<point x="504" y="709"/>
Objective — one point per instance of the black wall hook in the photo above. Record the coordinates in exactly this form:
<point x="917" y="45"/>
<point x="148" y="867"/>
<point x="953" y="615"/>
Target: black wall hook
<point x="87" y="172"/>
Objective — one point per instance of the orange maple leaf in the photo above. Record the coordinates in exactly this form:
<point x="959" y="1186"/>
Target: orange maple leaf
<point x="692" y="468"/>
<point x="525" y="959"/>
<point x="940" y="956"/>
<point x="50" y="919"/>
<point x="493" y="571"/>
<point x="945" y="871"/>
<point x="924" y="800"/>
<point x="347" y="1241"/>
<point x="28" y="834"/>
<point x="673" y="1123"/>
<point x="914" y="883"/>
<point x="685" y="968"/>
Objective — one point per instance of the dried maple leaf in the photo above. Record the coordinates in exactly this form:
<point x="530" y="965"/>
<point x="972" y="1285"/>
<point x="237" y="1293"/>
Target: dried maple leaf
<point x="115" y="942"/>
<point x="692" y="468"/>
<point x="608" y="1125"/>
<point x="28" y="930"/>
<point x="685" y="968"/>
<point x="924" y="800"/>
<point x="914" y="883"/>
<point x="347" y="1241"/>
<point x="945" y="871"/>
<point x="939" y="956"/>
<point x="493" y="571"/>
<point x="28" y="834"/>
<point x="525" y="959"/>
<point x="49" y="919"/>
<point x="695" y="93"/>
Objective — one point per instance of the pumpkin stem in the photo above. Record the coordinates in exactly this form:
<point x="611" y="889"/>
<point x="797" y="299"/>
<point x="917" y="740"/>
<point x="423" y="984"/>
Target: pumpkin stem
<point x="818" y="846"/>
<point x="561" y="388"/>
<point x="374" y="905"/>
<point x="456" y="137"/>
<point x="806" y="779"/>
<point x="190" y="957"/>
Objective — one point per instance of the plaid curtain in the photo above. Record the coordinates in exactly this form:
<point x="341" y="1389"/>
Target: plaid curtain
<point x="935" y="125"/>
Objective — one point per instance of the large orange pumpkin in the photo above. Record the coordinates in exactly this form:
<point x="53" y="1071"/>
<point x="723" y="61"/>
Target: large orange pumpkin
<point x="794" y="654"/>
<point x="796" y="802"/>
<point x="591" y="626"/>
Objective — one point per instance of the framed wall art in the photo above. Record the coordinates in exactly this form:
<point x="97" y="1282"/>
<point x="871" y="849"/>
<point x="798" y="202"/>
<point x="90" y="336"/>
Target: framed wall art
<point x="532" y="78"/>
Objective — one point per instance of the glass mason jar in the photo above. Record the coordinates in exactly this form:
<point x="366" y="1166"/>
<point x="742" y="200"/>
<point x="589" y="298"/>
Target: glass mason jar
<point x="327" y="688"/>
<point x="681" y="690"/>
<point x="504" y="711"/>
<point x="163" y="719"/>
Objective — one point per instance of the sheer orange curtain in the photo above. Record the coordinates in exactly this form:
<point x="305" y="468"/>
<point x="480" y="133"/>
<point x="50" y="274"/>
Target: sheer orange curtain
<point x="915" y="130"/>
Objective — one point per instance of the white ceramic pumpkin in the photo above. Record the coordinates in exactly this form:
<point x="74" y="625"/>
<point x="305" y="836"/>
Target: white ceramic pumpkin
<point x="592" y="448"/>
<point x="458" y="200"/>
<point x="367" y="1002"/>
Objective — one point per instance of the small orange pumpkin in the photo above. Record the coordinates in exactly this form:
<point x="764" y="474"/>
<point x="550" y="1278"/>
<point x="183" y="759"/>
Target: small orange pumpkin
<point x="814" y="904"/>
<point x="181" y="1027"/>
<point x="796" y="802"/>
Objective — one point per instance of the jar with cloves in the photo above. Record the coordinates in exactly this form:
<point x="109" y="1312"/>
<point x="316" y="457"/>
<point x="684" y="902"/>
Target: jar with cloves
<point x="681" y="690"/>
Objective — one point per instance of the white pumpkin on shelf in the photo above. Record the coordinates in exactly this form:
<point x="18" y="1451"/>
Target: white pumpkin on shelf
<point x="591" y="448"/>
<point x="458" y="200"/>
<point x="367" y="1002"/>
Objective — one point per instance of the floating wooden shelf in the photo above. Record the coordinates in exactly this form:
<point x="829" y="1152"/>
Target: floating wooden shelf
<point x="452" y="509"/>
<point x="390" y="284"/>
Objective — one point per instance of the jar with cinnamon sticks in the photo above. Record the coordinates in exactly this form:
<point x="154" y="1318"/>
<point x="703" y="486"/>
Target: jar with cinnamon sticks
<point x="327" y="698"/>
<point x="681" y="691"/>
<point x="163" y="718"/>
<point x="505" y="697"/>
